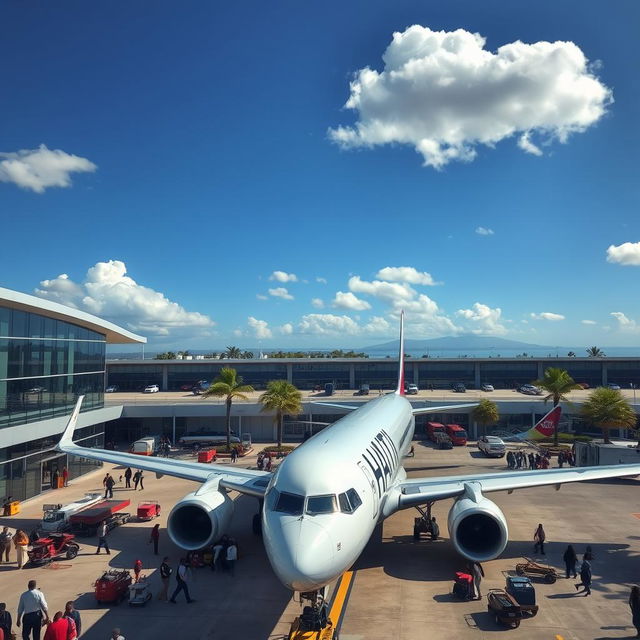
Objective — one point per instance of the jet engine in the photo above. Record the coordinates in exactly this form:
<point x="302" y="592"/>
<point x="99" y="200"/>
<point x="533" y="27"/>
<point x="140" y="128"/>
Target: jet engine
<point x="477" y="527"/>
<point x="200" y="518"/>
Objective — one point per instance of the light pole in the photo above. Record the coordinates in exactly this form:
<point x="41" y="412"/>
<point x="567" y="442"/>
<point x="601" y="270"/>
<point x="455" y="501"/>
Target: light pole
<point x="633" y="386"/>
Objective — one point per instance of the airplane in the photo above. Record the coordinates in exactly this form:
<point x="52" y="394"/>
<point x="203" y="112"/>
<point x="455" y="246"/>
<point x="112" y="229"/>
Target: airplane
<point x="544" y="428"/>
<point x="323" y="502"/>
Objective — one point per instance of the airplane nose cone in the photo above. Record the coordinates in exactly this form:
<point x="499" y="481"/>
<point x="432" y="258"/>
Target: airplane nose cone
<point x="301" y="553"/>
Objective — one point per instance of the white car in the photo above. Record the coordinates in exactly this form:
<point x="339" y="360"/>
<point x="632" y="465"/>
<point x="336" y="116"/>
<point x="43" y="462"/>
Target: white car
<point x="487" y="387"/>
<point x="412" y="389"/>
<point x="151" y="388"/>
<point x="492" y="446"/>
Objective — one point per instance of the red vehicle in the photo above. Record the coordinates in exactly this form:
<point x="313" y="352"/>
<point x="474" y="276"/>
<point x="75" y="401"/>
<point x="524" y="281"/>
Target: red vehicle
<point x="53" y="546"/>
<point x="457" y="434"/>
<point x="207" y="455"/>
<point x="86" y="522"/>
<point x="148" y="510"/>
<point x="112" y="586"/>
<point x="433" y="428"/>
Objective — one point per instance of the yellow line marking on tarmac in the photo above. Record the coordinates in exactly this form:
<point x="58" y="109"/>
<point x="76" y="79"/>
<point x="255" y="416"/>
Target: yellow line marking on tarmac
<point x="340" y="599"/>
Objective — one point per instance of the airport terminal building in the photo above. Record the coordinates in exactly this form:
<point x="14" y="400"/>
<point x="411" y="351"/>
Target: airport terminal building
<point x="49" y="355"/>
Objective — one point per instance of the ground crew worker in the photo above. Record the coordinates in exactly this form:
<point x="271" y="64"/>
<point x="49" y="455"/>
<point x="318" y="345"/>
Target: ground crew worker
<point x="5" y="543"/>
<point x="102" y="537"/>
<point x="165" y="575"/>
<point x="31" y="610"/>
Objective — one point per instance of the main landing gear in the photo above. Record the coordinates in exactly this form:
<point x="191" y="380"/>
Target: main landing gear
<point x="314" y="622"/>
<point x="424" y="524"/>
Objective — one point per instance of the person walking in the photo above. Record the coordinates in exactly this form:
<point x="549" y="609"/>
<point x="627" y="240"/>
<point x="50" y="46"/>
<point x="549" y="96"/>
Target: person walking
<point x="532" y="461"/>
<point x="137" y="480"/>
<point x="102" y="538"/>
<point x="60" y="628"/>
<point x="5" y="543"/>
<point x="234" y="455"/>
<point x="476" y="570"/>
<point x="65" y="476"/>
<point x="5" y="621"/>
<point x="20" y="541"/>
<point x="218" y="548"/>
<point x="539" y="537"/>
<point x="182" y="577"/>
<point x="165" y="576"/>
<point x="72" y="613"/>
<point x="137" y="569"/>
<point x="570" y="559"/>
<point x="585" y="578"/>
<point x="127" y="478"/>
<point x="155" y="537"/>
<point x="588" y="554"/>
<point x="32" y="608"/>
<point x="108" y="493"/>
<point x="634" y="603"/>
<point x="232" y="556"/>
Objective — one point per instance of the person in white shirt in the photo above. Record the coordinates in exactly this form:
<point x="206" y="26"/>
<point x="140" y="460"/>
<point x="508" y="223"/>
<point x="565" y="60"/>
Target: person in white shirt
<point x="232" y="556"/>
<point x="31" y="608"/>
<point x="182" y="576"/>
<point x="102" y="537"/>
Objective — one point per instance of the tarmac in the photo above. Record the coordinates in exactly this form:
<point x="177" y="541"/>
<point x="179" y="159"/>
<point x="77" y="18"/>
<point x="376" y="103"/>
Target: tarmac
<point x="400" y="589"/>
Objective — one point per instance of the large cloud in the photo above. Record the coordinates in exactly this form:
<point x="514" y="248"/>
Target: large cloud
<point x="483" y="319"/>
<point x="627" y="254"/>
<point x="283" y="276"/>
<point x="328" y="324"/>
<point x="346" y="300"/>
<point x="259" y="328"/>
<point x="444" y="93"/>
<point x="110" y="293"/>
<point x="385" y="291"/>
<point x="38" y="169"/>
<point x="626" y="325"/>
<point x="406" y="274"/>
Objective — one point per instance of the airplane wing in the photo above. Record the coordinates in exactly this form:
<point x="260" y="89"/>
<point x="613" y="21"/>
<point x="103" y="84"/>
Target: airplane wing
<point x="419" y="410"/>
<point x="422" y="490"/>
<point x="251" y="482"/>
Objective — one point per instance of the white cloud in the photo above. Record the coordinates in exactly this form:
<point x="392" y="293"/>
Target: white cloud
<point x="588" y="322"/>
<point x="328" y="324"/>
<point x="110" y="293"/>
<point x="260" y="296"/>
<point x="547" y="315"/>
<point x="318" y="303"/>
<point x="280" y="292"/>
<point x="321" y="280"/>
<point x="386" y="291"/>
<point x="524" y="142"/>
<point x="424" y="318"/>
<point x="483" y="231"/>
<point x="624" y="324"/>
<point x="377" y="326"/>
<point x="406" y="274"/>
<point x="259" y="328"/>
<point x="283" y="276"/>
<point x="483" y="319"/>
<point x="627" y="254"/>
<point x="443" y="93"/>
<point x="286" y="329"/>
<point x="41" y="168"/>
<point x="349" y="301"/>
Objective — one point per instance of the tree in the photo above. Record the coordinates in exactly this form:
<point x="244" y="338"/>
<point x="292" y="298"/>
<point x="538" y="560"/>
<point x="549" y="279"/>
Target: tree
<point x="233" y="353"/>
<point x="228" y="384"/>
<point x="283" y="398"/>
<point x="247" y="355"/>
<point x="608" y="409"/>
<point x="595" y="352"/>
<point x="486" y="413"/>
<point x="557" y="383"/>
<point x="571" y="354"/>
<point x="167" y="355"/>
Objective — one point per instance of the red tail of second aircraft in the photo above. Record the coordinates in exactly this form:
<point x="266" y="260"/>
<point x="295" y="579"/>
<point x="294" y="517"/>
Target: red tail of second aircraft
<point x="545" y="428"/>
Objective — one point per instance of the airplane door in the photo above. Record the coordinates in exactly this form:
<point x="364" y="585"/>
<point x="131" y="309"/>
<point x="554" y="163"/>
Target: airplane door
<point x="373" y="495"/>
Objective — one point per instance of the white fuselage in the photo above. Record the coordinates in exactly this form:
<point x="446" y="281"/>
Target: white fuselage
<point x="310" y="542"/>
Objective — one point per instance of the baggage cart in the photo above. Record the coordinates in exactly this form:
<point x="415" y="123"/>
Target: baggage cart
<point x="139" y="592"/>
<point x="524" y="593"/>
<point x="505" y="609"/>
<point x="112" y="586"/>
<point x="85" y="523"/>
<point x="148" y="510"/>
<point x="536" y="571"/>
<point x="207" y="455"/>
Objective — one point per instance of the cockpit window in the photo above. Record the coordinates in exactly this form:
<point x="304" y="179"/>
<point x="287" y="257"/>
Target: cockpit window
<point x="290" y="503"/>
<point x="349" y="501"/>
<point x="321" y="504"/>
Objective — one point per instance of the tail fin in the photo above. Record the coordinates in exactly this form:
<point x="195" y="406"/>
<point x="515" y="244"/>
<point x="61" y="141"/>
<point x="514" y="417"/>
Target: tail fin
<point x="400" y="387"/>
<point x="545" y="427"/>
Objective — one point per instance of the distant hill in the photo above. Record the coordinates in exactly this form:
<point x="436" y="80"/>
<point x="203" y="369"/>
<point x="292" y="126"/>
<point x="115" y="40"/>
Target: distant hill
<point x="456" y="343"/>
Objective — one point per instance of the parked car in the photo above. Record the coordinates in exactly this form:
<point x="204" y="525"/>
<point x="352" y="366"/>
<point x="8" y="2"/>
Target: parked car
<point x="412" y="389"/>
<point x="151" y="388"/>
<point x="364" y="390"/>
<point x="112" y="388"/>
<point x="458" y="387"/>
<point x="492" y="446"/>
<point x="487" y="387"/>
<point x="613" y="385"/>
<point x="530" y="390"/>
<point x="442" y="441"/>
<point x="583" y="385"/>
<point x="42" y="389"/>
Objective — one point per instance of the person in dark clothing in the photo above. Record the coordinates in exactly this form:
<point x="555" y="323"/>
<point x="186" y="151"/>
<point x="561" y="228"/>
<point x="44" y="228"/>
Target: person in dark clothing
<point x="234" y="454"/>
<point x="137" y="480"/>
<point x="570" y="559"/>
<point x="588" y="554"/>
<point x="539" y="537"/>
<point x="5" y="620"/>
<point x="108" y="486"/>
<point x="585" y="578"/>
<point x="127" y="478"/>
<point x="181" y="578"/>
<point x="165" y="575"/>
<point x="532" y="461"/>
<point x="155" y="537"/>
<point x="73" y="614"/>
<point x="634" y="603"/>
<point x="54" y="478"/>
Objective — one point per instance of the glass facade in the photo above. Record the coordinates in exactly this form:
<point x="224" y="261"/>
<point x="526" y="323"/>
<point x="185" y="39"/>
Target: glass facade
<point x="309" y="376"/>
<point x="508" y="375"/>
<point x="45" y="364"/>
<point x="441" y="375"/>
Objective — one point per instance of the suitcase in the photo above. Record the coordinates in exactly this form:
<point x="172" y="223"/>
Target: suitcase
<point x="462" y="587"/>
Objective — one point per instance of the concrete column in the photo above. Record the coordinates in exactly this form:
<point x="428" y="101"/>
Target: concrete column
<point x="416" y="377"/>
<point x="605" y="374"/>
<point x="540" y="370"/>
<point x="476" y="375"/>
<point x="290" y="372"/>
<point x="352" y="376"/>
<point x="165" y="377"/>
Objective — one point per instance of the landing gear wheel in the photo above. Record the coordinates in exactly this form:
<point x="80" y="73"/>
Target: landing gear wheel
<point x="549" y="578"/>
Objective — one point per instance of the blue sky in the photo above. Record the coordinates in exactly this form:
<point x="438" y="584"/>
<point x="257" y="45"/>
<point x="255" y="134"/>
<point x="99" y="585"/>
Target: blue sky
<point x="204" y="146"/>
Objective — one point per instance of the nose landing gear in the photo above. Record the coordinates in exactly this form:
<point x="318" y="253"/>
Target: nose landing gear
<point x="314" y="622"/>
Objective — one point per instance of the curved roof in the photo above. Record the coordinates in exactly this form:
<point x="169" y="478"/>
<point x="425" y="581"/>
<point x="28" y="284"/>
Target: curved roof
<point x="24" y="302"/>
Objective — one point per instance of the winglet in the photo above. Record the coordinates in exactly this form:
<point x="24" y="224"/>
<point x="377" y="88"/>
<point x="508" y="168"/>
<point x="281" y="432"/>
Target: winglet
<point x="67" y="435"/>
<point x="400" y="387"/>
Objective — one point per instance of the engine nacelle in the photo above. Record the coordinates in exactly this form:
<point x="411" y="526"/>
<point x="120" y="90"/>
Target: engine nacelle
<point x="200" y="518"/>
<point x="477" y="527"/>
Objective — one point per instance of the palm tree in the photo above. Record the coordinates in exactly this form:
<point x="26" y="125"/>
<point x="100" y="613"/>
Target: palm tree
<point x="247" y="355"/>
<point x="283" y="398"/>
<point x="571" y="354"/>
<point x="486" y="413"/>
<point x="233" y="353"/>
<point x="595" y="352"/>
<point x="557" y="382"/>
<point x="607" y="409"/>
<point x="228" y="384"/>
